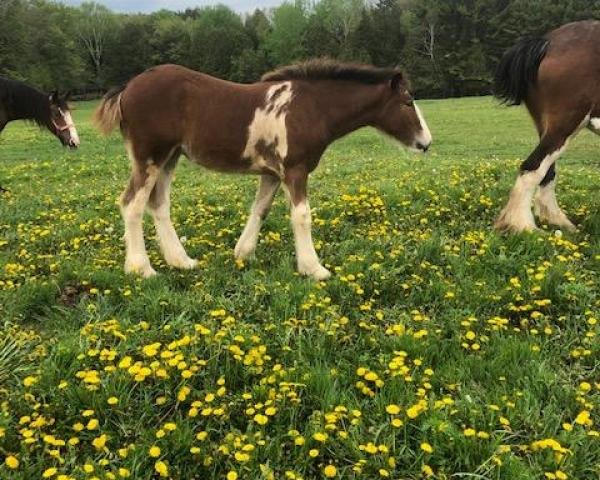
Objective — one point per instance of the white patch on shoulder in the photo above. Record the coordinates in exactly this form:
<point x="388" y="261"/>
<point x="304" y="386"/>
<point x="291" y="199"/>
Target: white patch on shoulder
<point x="267" y="144"/>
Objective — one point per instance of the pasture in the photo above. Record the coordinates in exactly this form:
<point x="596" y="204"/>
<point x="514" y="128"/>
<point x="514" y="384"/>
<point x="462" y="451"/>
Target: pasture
<point x="438" y="349"/>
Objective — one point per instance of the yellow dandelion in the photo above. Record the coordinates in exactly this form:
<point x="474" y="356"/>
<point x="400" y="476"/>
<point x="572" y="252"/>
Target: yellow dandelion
<point x="154" y="451"/>
<point x="330" y="471"/>
<point x="426" y="447"/>
<point x="11" y="462"/>
<point x="161" y="468"/>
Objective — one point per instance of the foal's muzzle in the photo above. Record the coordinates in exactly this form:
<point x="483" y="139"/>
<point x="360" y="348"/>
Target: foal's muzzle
<point x="422" y="147"/>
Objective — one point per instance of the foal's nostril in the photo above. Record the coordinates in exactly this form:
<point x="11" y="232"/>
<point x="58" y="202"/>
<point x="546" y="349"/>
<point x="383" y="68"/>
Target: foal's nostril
<point x="420" y="146"/>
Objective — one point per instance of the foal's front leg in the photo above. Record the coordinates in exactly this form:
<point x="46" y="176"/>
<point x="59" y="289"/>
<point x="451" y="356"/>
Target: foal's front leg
<point x="517" y="215"/>
<point x="306" y="256"/>
<point x="265" y="194"/>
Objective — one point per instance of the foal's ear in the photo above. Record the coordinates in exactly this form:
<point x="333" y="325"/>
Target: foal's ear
<point x="53" y="96"/>
<point x="67" y="96"/>
<point x="397" y="80"/>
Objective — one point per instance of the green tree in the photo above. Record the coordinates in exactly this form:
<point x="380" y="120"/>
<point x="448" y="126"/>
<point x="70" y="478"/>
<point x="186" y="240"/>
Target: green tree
<point x="284" y="43"/>
<point x="95" y="26"/>
<point x="218" y="38"/>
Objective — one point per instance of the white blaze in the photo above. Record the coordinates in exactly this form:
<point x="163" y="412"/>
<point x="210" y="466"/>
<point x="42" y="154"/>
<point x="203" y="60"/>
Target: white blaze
<point x="424" y="136"/>
<point x="72" y="130"/>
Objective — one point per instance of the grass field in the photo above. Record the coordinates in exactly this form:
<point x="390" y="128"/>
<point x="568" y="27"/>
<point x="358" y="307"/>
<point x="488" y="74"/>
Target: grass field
<point x="438" y="349"/>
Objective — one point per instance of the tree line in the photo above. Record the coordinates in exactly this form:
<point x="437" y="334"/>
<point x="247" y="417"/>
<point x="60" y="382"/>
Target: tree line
<point x="448" y="47"/>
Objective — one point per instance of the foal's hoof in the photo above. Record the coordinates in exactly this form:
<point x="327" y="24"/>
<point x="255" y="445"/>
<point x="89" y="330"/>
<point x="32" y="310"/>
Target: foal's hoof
<point x="184" y="263"/>
<point x="243" y="251"/>
<point x="565" y="224"/>
<point x="144" y="270"/>
<point x="316" y="273"/>
<point x="506" y="224"/>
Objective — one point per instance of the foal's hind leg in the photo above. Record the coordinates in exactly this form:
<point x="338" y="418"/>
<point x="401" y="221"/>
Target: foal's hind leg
<point x="133" y="202"/>
<point x="265" y="194"/>
<point x="159" y="206"/>
<point x="517" y="215"/>
<point x="545" y="204"/>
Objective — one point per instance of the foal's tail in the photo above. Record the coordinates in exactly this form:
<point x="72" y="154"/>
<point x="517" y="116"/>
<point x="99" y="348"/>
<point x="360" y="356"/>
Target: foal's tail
<point x="108" y="114"/>
<point x="518" y="70"/>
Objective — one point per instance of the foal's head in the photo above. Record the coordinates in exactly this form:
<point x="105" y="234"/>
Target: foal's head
<point x="401" y="118"/>
<point x="61" y="122"/>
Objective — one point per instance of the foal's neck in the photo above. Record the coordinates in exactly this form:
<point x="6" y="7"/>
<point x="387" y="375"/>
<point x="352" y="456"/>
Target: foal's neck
<point x="348" y="106"/>
<point x="31" y="104"/>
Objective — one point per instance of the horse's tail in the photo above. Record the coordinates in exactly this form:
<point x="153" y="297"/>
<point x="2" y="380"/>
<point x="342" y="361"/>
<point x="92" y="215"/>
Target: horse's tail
<point x="518" y="70"/>
<point x="108" y="114"/>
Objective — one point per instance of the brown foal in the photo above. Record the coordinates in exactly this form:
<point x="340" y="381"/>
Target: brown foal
<point x="277" y="128"/>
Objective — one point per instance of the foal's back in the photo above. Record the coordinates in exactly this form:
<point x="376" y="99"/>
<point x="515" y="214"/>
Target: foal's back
<point x="208" y="117"/>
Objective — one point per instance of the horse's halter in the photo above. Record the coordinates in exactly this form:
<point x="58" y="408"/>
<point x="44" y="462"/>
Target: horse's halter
<point x="66" y="126"/>
<point x="72" y="140"/>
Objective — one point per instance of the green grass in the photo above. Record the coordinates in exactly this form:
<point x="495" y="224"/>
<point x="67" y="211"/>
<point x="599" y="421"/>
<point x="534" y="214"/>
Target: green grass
<point x="485" y="343"/>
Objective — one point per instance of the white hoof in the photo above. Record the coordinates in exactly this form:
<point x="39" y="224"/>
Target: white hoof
<point x="557" y="218"/>
<point x="141" y="268"/>
<point x="244" y="250"/>
<point x="185" y="263"/>
<point x="317" y="272"/>
<point x="506" y="222"/>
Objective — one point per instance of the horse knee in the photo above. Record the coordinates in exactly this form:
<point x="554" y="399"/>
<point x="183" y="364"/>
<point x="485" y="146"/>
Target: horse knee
<point x="301" y="215"/>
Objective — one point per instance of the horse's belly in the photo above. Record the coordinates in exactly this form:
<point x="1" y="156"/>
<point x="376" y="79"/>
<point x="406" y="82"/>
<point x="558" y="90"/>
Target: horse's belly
<point x="261" y="163"/>
<point x="219" y="161"/>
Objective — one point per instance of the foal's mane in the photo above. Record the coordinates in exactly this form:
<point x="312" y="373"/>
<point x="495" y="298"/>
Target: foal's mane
<point x="328" y="69"/>
<point x="25" y="101"/>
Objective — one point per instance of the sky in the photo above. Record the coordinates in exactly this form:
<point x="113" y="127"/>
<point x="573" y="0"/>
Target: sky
<point x="146" y="6"/>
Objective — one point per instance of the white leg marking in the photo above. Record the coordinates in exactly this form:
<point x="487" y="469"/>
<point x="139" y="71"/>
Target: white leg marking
<point x="594" y="125"/>
<point x="170" y="245"/>
<point x="136" y="257"/>
<point x="264" y="198"/>
<point x="517" y="215"/>
<point x="547" y="209"/>
<point x="308" y="261"/>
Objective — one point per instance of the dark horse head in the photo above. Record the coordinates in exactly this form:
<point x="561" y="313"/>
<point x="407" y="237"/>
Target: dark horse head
<point x="19" y="101"/>
<point x="61" y="121"/>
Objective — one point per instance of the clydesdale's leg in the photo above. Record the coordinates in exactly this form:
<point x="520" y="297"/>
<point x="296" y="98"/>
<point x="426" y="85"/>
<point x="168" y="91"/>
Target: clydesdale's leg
<point x="159" y="206"/>
<point x="517" y="215"/>
<point x="308" y="262"/>
<point x="267" y="188"/>
<point x="545" y="204"/>
<point x="133" y="202"/>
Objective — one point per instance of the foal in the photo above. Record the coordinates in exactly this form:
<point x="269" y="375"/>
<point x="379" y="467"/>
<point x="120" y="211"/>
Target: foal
<point x="19" y="101"/>
<point x="557" y="78"/>
<point x="277" y="128"/>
